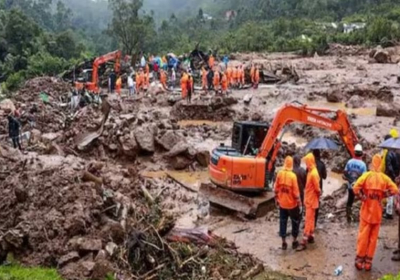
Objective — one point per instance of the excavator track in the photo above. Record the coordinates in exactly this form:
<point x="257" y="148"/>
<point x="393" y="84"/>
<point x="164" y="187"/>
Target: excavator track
<point x="251" y="207"/>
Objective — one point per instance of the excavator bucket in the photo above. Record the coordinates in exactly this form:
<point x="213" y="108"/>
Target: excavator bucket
<point x="251" y="207"/>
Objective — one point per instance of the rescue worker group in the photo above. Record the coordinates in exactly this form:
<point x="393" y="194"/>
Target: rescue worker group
<point x="215" y="77"/>
<point x="297" y="189"/>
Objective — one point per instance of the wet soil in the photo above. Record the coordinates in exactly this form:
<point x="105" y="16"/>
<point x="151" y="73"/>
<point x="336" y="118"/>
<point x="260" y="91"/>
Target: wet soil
<point x="146" y="138"/>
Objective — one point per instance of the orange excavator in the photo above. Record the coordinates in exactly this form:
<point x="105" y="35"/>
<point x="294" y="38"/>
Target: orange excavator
<point x="243" y="174"/>
<point x="89" y="77"/>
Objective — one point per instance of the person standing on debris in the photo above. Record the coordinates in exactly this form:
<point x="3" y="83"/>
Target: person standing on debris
<point x="217" y="80"/>
<point x="241" y="76"/>
<point x="224" y="84"/>
<point x="211" y="60"/>
<point x="163" y="79"/>
<point x="229" y="74"/>
<point x="371" y="188"/>
<point x="391" y="167"/>
<point x="204" y="78"/>
<point x="13" y="130"/>
<point x="190" y="88"/>
<point x="235" y="76"/>
<point x="256" y="76"/>
<point x="252" y="74"/>
<point x="131" y="85"/>
<point x="312" y="193"/>
<point x="301" y="176"/>
<point x="321" y="167"/>
<point x="288" y="200"/>
<point x="353" y="170"/>
<point x="112" y="78"/>
<point x="210" y="79"/>
<point x="139" y="80"/>
<point x="173" y="79"/>
<point x="118" y="86"/>
<point x="184" y="84"/>
<point x="142" y="61"/>
<point x="225" y="60"/>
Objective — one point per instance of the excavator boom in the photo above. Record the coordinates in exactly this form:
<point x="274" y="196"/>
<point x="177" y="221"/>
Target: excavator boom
<point x="236" y="171"/>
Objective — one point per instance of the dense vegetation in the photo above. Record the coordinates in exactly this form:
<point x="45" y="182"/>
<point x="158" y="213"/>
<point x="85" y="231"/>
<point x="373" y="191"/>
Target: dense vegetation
<point x="47" y="36"/>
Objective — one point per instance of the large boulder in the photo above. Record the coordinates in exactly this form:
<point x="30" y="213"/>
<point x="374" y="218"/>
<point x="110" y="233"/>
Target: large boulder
<point x="180" y="162"/>
<point x="169" y="140"/>
<point x="178" y="149"/>
<point x="382" y="56"/>
<point x="130" y="147"/>
<point x="388" y="110"/>
<point x="203" y="158"/>
<point x="355" y="101"/>
<point x="144" y="136"/>
<point x="334" y="96"/>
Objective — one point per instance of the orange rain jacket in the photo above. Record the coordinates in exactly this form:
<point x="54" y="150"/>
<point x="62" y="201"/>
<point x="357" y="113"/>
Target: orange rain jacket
<point x="224" y="82"/>
<point x="312" y="190"/>
<point x="286" y="187"/>
<point x="184" y="88"/>
<point x="211" y="61"/>
<point x="204" y="82"/>
<point x="163" y="78"/>
<point x="252" y="73"/>
<point x="229" y="74"/>
<point x="372" y="188"/>
<point x="139" y="81"/>
<point x="216" y="79"/>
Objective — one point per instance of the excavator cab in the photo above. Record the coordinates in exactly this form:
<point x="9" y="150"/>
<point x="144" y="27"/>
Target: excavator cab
<point x="247" y="137"/>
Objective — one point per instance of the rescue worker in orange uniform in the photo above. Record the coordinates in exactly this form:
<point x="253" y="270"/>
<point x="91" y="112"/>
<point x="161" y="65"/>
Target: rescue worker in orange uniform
<point x="217" y="80"/>
<point x="256" y="76"/>
<point x="287" y="195"/>
<point x="163" y="79"/>
<point x="235" y="76"/>
<point x="118" y="85"/>
<point x="204" y="84"/>
<point x="224" y="84"/>
<point x="372" y="187"/>
<point x="184" y="83"/>
<point x="211" y="61"/>
<point x="229" y="75"/>
<point x="312" y="193"/>
<point x="139" y="80"/>
<point x="241" y="76"/>
<point x="252" y="73"/>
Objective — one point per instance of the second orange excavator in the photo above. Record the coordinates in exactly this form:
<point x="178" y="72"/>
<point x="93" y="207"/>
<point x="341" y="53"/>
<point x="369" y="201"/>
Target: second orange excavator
<point x="241" y="175"/>
<point x="89" y="77"/>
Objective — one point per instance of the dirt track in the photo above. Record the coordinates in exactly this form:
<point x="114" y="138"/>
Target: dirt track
<point x="145" y="137"/>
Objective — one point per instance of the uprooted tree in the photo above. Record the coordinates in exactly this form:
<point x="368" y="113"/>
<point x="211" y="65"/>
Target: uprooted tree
<point x="132" y="28"/>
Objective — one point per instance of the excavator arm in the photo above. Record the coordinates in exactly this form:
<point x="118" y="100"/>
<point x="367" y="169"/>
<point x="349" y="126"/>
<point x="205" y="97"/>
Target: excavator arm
<point x="116" y="55"/>
<point x="311" y="116"/>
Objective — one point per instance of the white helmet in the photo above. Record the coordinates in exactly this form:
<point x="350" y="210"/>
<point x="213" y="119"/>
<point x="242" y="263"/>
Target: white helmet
<point x="358" y="148"/>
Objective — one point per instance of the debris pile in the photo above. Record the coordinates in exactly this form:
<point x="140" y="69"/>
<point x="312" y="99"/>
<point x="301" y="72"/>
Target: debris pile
<point x="380" y="55"/>
<point x="218" y="109"/>
<point x="51" y="86"/>
<point x="342" y="50"/>
<point x="337" y="95"/>
<point x="90" y="219"/>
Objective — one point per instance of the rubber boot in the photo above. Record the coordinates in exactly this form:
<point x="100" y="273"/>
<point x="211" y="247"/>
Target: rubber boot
<point x="348" y="214"/>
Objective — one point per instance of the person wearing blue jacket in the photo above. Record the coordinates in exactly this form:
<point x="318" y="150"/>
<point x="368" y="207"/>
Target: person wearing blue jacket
<point x="353" y="170"/>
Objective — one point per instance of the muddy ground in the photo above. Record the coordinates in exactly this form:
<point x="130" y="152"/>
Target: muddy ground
<point x="160" y="142"/>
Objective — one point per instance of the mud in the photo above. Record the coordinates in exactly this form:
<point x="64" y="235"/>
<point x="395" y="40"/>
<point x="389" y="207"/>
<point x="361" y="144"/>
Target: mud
<point x="151" y="156"/>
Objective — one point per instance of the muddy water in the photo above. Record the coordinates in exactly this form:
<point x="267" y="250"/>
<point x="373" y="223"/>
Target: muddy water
<point x="366" y="111"/>
<point x="335" y="245"/>
<point x="185" y="123"/>
<point x="333" y="182"/>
